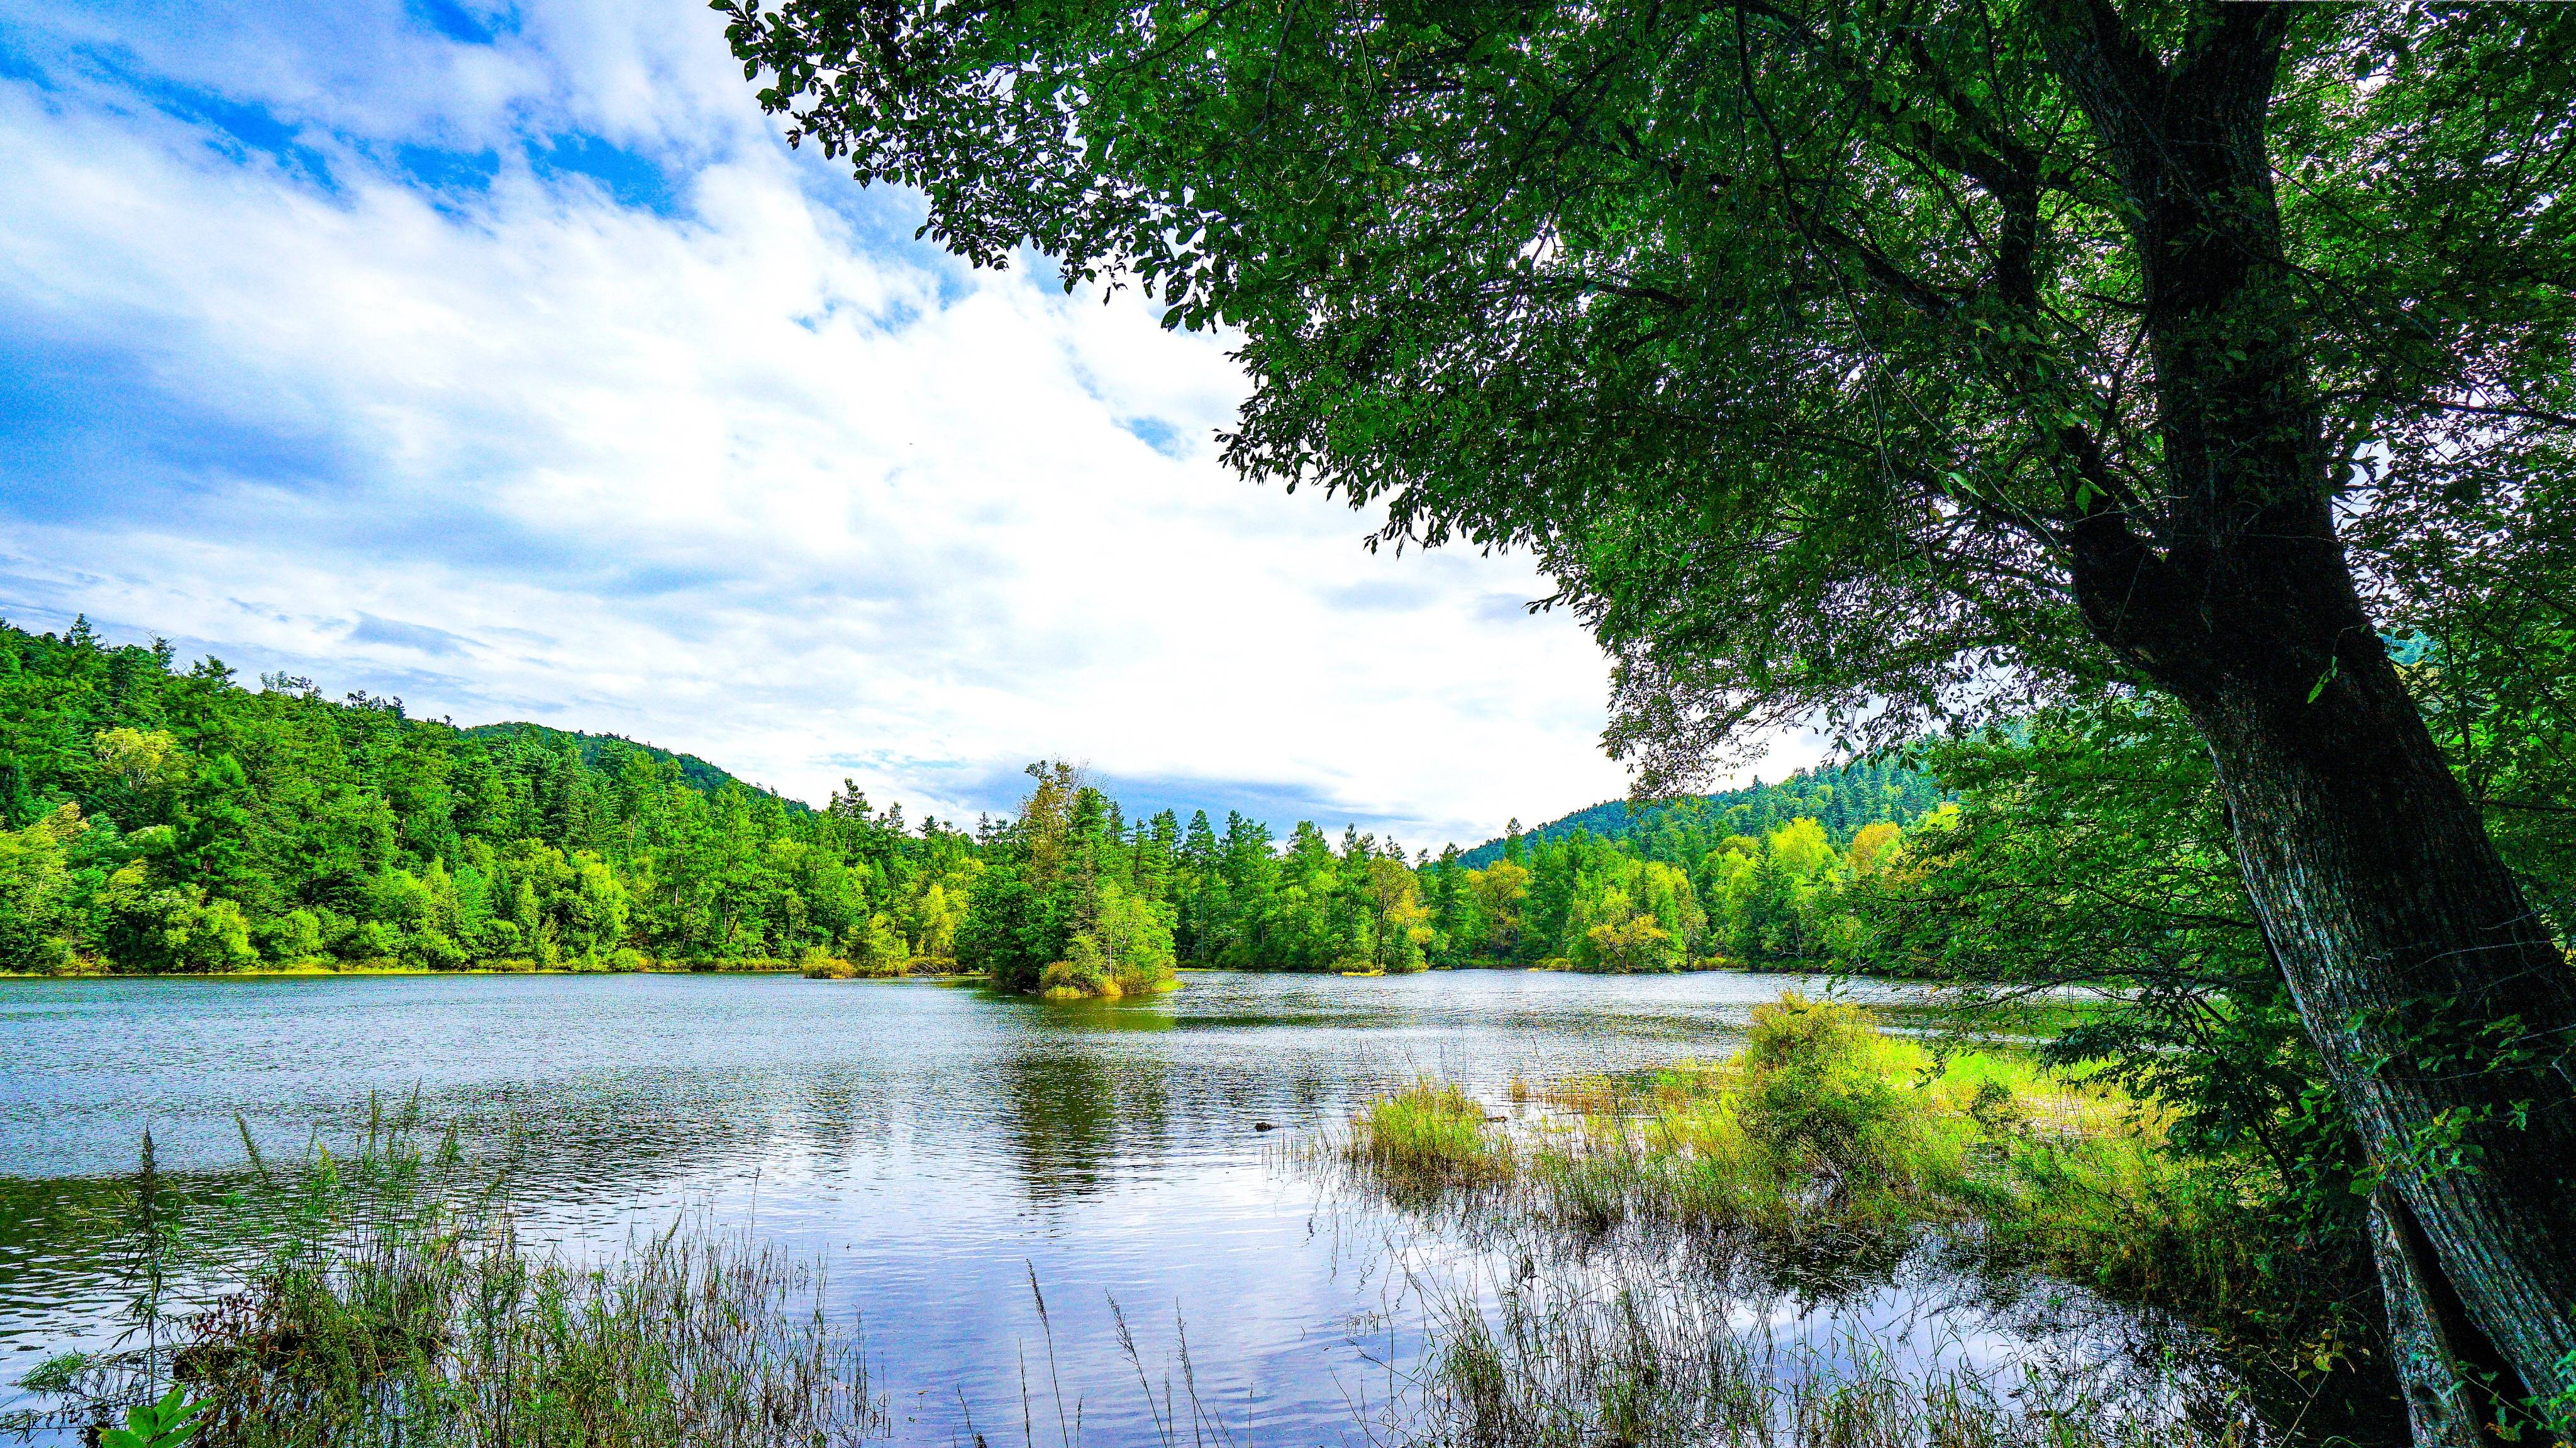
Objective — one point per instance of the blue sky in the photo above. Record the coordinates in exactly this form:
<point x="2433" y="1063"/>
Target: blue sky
<point x="504" y="359"/>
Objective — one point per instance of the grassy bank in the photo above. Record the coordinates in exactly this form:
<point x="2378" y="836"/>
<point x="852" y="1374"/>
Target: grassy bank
<point x="1826" y="1146"/>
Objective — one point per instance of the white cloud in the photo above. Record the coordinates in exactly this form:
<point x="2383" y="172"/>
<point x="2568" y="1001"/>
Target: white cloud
<point x="747" y="479"/>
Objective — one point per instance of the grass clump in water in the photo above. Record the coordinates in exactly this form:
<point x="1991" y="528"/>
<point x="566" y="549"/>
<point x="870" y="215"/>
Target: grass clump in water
<point x="1825" y="1135"/>
<point x="1427" y="1137"/>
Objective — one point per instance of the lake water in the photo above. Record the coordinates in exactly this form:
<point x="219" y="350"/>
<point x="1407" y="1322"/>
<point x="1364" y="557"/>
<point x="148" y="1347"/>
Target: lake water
<point x="936" y="1144"/>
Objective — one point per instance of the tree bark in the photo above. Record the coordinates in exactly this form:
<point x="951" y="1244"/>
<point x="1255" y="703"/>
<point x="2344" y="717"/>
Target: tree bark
<point x="2439" y="1005"/>
<point x="2443" y="1012"/>
<point x="2442" y="1403"/>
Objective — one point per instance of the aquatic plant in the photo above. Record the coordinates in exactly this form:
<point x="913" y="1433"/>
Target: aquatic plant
<point x="1430" y="1136"/>
<point x="1543" y="1361"/>
<point x="388" y="1298"/>
<point x="1824" y="1135"/>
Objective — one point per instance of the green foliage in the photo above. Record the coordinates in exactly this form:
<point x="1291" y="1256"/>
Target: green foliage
<point x="2091" y="849"/>
<point x="1428" y="1137"/>
<point x="1884" y="788"/>
<point x="170" y="1423"/>
<point x="1820" y="351"/>
<point x="1685" y="893"/>
<point x="167" y="821"/>
<point x="39" y="904"/>
<point x="1816" y="1093"/>
<point x="58" y="1374"/>
<point x="159" y="820"/>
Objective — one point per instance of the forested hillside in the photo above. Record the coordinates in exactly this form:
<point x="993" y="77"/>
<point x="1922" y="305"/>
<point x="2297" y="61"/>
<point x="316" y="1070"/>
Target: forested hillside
<point x="1843" y="800"/>
<point x="170" y="819"/>
<point x="593" y="747"/>
<point x="160" y="818"/>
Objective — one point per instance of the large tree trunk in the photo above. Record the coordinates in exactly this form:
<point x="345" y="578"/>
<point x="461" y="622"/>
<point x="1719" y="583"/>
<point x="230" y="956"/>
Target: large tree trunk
<point x="2443" y="1012"/>
<point x="2445" y="1405"/>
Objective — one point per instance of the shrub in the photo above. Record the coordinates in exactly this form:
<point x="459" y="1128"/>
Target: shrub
<point x="816" y="964"/>
<point x="1817" y="1097"/>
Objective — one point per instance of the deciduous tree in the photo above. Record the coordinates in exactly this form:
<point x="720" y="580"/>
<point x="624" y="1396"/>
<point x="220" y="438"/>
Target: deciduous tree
<point x="1891" y="360"/>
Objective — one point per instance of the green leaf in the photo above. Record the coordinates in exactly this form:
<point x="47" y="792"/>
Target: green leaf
<point x="2333" y="669"/>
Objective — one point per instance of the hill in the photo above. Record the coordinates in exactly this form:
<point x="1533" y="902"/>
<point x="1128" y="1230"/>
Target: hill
<point x="698" y="773"/>
<point x="1842" y="800"/>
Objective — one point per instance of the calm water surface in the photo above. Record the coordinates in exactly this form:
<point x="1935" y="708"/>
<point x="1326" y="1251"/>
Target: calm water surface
<point x="936" y="1143"/>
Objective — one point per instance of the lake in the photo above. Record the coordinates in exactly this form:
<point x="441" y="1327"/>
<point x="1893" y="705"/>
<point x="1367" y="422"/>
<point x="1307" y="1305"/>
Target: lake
<point x="936" y="1145"/>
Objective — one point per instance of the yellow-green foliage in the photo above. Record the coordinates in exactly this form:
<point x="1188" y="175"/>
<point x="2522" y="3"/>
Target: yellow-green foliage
<point x="1127" y="950"/>
<point x="1824" y="1124"/>
<point x="816" y="965"/>
<point x="1430" y="1134"/>
<point x="1817" y="1095"/>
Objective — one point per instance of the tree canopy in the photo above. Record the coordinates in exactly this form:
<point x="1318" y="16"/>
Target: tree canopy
<point x="1805" y="343"/>
<point x="1893" y="361"/>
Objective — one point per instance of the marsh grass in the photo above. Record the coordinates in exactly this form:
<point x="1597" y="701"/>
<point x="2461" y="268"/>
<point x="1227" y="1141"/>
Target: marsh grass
<point x="1542" y="1363"/>
<point x="1430" y="1137"/>
<point x="1826" y="1138"/>
<point x="386" y="1298"/>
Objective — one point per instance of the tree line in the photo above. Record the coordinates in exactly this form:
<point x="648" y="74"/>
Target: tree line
<point x="160" y="818"/>
<point x="169" y="819"/>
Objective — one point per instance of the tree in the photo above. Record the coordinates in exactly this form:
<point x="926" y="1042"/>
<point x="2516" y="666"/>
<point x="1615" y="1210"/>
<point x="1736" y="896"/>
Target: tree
<point x="36" y="912"/>
<point x="1894" y="360"/>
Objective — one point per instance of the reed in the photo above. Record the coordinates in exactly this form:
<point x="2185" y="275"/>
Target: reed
<point x="1573" y="1363"/>
<point x="1429" y="1137"/>
<point x="388" y="1299"/>
<point x="1825" y="1136"/>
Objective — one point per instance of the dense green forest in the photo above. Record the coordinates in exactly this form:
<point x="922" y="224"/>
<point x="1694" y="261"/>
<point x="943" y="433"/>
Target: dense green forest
<point x="161" y="818"/>
<point x="1842" y="800"/>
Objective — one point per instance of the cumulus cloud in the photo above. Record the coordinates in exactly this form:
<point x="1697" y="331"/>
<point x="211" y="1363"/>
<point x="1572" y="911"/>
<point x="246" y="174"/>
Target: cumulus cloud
<point x="507" y="361"/>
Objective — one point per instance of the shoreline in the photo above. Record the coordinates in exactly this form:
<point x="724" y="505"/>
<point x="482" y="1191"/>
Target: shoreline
<point x="324" y="973"/>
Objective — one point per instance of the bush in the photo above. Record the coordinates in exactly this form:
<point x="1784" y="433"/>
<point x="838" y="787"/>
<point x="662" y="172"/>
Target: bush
<point x="1077" y="980"/>
<point x="1632" y="945"/>
<point x="1816" y="1095"/>
<point x="815" y="964"/>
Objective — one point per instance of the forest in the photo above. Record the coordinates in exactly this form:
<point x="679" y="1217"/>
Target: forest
<point x="170" y="819"/>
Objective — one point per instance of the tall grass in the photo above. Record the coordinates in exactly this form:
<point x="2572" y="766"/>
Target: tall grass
<point x="1818" y="1157"/>
<point x="1429" y="1137"/>
<point x="388" y="1299"/>
<point x="1551" y="1364"/>
<point x="1825" y="1137"/>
